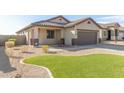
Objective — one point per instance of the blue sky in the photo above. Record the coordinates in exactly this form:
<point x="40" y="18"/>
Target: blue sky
<point x="12" y="23"/>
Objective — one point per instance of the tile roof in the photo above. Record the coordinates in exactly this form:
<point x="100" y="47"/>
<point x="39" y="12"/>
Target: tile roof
<point x="109" y="25"/>
<point x="75" y="22"/>
<point x="69" y="24"/>
<point x="121" y="28"/>
<point x="103" y="26"/>
<point x="47" y="23"/>
<point x="42" y="23"/>
<point x="24" y="28"/>
<point x="112" y="24"/>
<point x="79" y="21"/>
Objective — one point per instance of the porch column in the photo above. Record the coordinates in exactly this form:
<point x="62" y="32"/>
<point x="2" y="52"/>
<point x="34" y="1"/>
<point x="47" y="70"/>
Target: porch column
<point x="28" y="38"/>
<point x="35" y="40"/>
<point x="35" y="33"/>
<point x="62" y="34"/>
<point x="116" y="34"/>
<point x="100" y="34"/>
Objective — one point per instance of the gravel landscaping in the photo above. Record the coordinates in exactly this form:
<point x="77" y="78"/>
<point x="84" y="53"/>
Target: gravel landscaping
<point x="10" y="66"/>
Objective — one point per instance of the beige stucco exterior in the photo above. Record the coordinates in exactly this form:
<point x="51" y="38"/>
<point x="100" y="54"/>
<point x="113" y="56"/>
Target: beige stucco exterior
<point x="69" y="34"/>
<point x="66" y="33"/>
<point x="34" y="33"/>
<point x="103" y="34"/>
<point x="43" y="37"/>
<point x="86" y="26"/>
<point x="92" y="27"/>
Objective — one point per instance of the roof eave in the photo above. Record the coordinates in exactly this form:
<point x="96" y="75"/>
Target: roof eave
<point x="37" y="25"/>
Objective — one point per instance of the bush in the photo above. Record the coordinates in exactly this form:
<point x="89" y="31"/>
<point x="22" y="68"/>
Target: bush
<point x="12" y="39"/>
<point x="9" y="44"/>
<point x="45" y="48"/>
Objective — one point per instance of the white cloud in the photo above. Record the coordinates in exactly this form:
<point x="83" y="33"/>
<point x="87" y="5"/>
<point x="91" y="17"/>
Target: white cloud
<point x="108" y="19"/>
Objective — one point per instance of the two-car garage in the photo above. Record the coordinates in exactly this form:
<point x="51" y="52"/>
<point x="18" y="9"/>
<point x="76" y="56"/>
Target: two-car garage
<point x="85" y="37"/>
<point x="86" y="32"/>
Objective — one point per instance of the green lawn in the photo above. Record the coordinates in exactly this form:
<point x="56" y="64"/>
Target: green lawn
<point x="91" y="66"/>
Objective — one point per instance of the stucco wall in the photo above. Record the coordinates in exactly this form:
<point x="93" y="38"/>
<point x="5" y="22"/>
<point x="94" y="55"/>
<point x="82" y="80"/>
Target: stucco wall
<point x="43" y="37"/>
<point x="121" y="35"/>
<point x="34" y="33"/>
<point x="87" y="26"/>
<point x="103" y="34"/>
<point x="69" y="34"/>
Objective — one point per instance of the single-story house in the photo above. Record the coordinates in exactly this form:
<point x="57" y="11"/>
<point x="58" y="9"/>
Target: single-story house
<point x="109" y="31"/>
<point x="59" y="30"/>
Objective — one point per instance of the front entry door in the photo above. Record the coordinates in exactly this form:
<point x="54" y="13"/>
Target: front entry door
<point x="109" y="35"/>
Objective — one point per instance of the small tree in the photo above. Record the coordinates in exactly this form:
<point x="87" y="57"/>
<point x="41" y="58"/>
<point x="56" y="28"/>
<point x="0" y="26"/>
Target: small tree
<point x="12" y="39"/>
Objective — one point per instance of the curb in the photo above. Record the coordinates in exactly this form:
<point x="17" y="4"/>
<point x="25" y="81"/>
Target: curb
<point x="45" y="68"/>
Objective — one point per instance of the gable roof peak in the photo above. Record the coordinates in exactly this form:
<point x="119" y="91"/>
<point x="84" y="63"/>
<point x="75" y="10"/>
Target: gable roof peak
<point x="80" y="21"/>
<point x="59" y="16"/>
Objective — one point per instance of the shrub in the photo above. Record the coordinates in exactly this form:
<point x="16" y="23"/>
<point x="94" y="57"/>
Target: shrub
<point x="45" y="48"/>
<point x="9" y="44"/>
<point x="12" y="39"/>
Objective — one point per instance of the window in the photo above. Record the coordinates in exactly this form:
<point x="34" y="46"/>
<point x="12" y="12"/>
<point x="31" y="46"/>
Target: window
<point x="50" y="34"/>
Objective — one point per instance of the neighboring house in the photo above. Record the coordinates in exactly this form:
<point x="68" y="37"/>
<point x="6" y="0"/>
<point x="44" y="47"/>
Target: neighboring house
<point x="59" y="30"/>
<point x="111" y="31"/>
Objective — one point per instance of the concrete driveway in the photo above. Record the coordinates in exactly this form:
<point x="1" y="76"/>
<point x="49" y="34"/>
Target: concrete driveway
<point x="5" y="65"/>
<point x="92" y="49"/>
<point x="102" y="46"/>
<point x="111" y="46"/>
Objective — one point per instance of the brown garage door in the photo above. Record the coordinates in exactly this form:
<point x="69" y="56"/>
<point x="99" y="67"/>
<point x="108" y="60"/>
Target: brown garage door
<point x="86" y="38"/>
